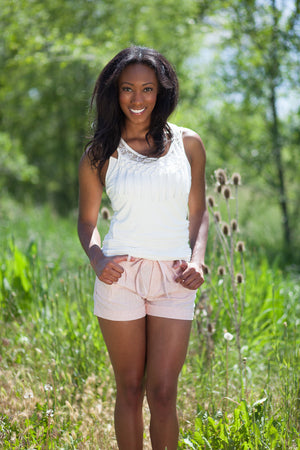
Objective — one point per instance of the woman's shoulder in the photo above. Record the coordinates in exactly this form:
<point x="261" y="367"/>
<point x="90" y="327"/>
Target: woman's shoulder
<point x="85" y="160"/>
<point x="192" y="142"/>
<point x="86" y="165"/>
<point x="186" y="133"/>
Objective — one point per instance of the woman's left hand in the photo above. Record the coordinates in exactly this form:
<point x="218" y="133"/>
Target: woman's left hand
<point x="191" y="276"/>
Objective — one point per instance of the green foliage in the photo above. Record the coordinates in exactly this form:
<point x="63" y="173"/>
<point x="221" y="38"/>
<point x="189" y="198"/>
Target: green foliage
<point x="55" y="368"/>
<point x="229" y="56"/>
<point x="13" y="163"/>
<point x="248" y="428"/>
<point x="16" y="281"/>
<point x="245" y="105"/>
<point x="260" y="41"/>
<point x="51" y="54"/>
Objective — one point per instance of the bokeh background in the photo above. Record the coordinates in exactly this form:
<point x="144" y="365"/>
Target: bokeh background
<point x="238" y="62"/>
<point x="239" y="69"/>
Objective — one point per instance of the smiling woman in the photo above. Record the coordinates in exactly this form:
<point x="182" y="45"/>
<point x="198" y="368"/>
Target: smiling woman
<point x="137" y="95"/>
<point x="151" y="261"/>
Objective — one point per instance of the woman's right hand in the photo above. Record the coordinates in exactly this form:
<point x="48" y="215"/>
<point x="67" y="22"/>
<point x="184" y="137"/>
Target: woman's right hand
<point x="108" y="268"/>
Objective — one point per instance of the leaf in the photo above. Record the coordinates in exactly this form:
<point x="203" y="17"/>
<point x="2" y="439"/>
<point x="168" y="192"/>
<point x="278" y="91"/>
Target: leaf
<point x="260" y="402"/>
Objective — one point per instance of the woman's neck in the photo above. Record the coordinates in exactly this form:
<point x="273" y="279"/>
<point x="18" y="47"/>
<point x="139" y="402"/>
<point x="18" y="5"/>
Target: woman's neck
<point x="133" y="131"/>
<point x="135" y="137"/>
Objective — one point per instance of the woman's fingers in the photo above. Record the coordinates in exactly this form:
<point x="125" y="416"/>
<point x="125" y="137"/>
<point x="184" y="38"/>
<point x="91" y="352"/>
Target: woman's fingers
<point x="112" y="270"/>
<point x="191" y="277"/>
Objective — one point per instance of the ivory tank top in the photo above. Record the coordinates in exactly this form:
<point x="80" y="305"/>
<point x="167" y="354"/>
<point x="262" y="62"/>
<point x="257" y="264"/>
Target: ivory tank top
<point x="149" y="198"/>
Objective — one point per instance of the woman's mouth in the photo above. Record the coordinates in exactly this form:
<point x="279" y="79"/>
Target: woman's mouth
<point x="137" y="111"/>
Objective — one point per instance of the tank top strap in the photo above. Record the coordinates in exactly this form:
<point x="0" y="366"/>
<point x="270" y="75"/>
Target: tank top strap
<point x="177" y="138"/>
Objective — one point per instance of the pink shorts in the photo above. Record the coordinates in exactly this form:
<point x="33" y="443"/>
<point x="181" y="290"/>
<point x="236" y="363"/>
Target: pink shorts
<point x="146" y="287"/>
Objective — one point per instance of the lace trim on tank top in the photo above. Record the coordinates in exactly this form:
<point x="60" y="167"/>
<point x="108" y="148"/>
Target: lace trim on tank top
<point x="125" y="150"/>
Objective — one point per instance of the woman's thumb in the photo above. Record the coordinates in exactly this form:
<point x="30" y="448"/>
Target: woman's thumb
<point x="120" y="258"/>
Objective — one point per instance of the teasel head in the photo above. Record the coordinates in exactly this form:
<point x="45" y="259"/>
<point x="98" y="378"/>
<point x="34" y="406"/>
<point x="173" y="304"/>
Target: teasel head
<point x="240" y="247"/>
<point x="209" y="309"/>
<point x="210" y="328"/>
<point x="239" y="278"/>
<point x="221" y="176"/>
<point x="236" y="179"/>
<point x="225" y="229"/>
<point x="221" y="271"/>
<point x="234" y="225"/>
<point x="205" y="269"/>
<point x="211" y="201"/>
<point x="226" y="192"/>
<point x="105" y="214"/>
<point x="217" y="216"/>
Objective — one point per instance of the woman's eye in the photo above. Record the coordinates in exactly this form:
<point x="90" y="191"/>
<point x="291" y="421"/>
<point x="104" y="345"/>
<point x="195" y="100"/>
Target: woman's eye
<point x="148" y="89"/>
<point x="126" y="89"/>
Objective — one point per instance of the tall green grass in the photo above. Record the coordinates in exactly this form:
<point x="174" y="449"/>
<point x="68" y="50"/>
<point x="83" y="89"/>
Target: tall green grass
<point x="56" y="383"/>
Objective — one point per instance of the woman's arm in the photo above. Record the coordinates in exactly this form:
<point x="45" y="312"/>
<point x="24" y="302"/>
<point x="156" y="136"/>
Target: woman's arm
<point x="90" y="194"/>
<point x="192" y="276"/>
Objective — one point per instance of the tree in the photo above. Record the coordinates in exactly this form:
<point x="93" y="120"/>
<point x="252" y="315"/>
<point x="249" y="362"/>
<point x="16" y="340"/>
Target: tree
<point x="51" y="53"/>
<point x="259" y="60"/>
<point x="14" y="168"/>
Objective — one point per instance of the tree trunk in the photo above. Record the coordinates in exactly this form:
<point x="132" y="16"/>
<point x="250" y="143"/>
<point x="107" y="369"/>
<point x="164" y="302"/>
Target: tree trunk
<point x="276" y="145"/>
<point x="275" y="135"/>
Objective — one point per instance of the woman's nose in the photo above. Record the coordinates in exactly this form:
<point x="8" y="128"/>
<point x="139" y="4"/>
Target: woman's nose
<point x="137" y="97"/>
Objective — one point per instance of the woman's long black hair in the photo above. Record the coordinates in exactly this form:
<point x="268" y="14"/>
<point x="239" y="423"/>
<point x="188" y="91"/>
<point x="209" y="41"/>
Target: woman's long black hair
<point x="109" y="116"/>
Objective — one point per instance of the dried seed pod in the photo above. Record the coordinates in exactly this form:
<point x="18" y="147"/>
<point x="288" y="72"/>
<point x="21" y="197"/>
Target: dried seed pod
<point x="221" y="176"/>
<point x="226" y="192"/>
<point x="205" y="269"/>
<point x="225" y="229"/>
<point x="240" y="247"/>
<point x="234" y="225"/>
<point x="211" y="201"/>
<point x="209" y="309"/>
<point x="221" y="271"/>
<point x="217" y="216"/>
<point x="239" y="278"/>
<point x="236" y="179"/>
<point x="105" y="214"/>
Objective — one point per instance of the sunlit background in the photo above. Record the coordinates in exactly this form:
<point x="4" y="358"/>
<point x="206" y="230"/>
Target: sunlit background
<point x="238" y="65"/>
<point x="238" y="62"/>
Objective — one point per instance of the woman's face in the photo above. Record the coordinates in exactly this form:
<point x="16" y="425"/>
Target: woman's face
<point x="138" y="88"/>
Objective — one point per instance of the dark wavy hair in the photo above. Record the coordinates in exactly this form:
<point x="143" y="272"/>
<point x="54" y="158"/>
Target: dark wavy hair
<point x="109" y="119"/>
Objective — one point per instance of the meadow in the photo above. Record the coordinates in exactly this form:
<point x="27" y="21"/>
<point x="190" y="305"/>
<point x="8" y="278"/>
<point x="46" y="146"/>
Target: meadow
<point x="239" y="387"/>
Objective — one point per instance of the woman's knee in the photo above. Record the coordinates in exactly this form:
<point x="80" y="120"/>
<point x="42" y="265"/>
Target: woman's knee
<point x="162" y="395"/>
<point x="130" y="390"/>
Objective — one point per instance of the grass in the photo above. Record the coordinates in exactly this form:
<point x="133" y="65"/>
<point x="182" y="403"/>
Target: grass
<point x="57" y="389"/>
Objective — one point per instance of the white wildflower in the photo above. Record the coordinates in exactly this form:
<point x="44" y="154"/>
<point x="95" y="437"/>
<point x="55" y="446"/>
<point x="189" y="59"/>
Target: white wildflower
<point x="28" y="394"/>
<point x="99" y="407"/>
<point x="228" y="336"/>
<point x="49" y="413"/>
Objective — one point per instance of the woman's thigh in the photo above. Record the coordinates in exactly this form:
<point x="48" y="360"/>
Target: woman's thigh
<point x="126" y="345"/>
<point x="167" y="343"/>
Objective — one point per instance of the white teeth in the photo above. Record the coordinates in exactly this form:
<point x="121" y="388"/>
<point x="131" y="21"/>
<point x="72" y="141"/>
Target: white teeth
<point x="137" y="111"/>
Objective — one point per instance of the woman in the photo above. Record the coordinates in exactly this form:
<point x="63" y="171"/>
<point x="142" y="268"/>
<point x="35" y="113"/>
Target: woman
<point x="151" y="261"/>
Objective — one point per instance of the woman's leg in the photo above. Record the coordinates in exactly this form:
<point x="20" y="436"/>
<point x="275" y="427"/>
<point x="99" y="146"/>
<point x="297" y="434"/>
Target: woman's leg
<point x="126" y="344"/>
<point x="167" y="342"/>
